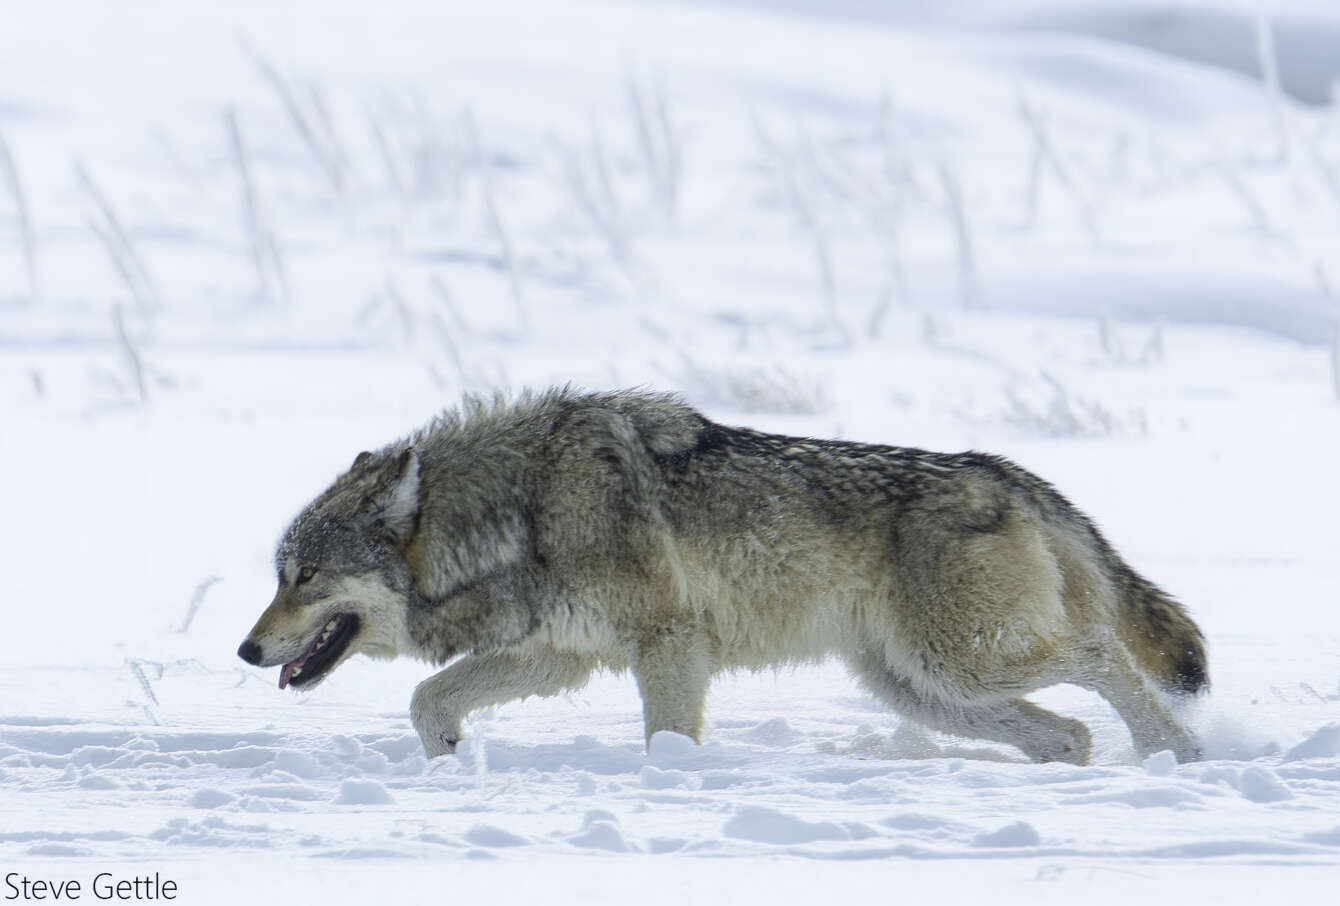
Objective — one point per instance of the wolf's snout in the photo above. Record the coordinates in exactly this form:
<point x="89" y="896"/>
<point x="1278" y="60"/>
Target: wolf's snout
<point x="250" y="652"/>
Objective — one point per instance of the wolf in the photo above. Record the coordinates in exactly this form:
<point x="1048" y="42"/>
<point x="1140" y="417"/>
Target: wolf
<point x="530" y="541"/>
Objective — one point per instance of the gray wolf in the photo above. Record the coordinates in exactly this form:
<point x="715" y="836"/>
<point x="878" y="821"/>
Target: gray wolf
<point x="536" y="540"/>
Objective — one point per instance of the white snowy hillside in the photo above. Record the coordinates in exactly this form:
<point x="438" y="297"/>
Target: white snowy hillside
<point x="241" y="242"/>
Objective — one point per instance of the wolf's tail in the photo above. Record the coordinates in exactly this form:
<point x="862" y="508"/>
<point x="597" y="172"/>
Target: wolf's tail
<point x="1163" y="638"/>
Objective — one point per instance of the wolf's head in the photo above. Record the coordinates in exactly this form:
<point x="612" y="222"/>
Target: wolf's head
<point x="343" y="582"/>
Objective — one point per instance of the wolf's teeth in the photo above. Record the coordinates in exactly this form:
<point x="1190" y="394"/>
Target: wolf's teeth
<point x="296" y="671"/>
<point x="330" y="627"/>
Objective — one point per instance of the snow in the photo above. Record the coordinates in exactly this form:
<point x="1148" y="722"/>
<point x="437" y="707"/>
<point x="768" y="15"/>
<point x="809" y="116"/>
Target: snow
<point x="352" y="792"/>
<point x="1323" y="743"/>
<point x="1139" y="306"/>
<point x="1020" y="833"/>
<point x="1260" y="784"/>
<point x="1160" y="764"/>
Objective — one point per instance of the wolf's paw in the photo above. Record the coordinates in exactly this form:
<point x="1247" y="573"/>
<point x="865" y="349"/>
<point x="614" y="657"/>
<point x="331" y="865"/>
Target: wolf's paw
<point x="436" y="745"/>
<point x="439" y="729"/>
<point x="1071" y="743"/>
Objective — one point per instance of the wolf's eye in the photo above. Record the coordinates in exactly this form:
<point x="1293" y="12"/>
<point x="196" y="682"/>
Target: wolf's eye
<point x="305" y="574"/>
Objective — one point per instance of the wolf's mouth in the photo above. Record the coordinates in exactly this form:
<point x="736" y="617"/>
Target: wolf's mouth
<point x="322" y="654"/>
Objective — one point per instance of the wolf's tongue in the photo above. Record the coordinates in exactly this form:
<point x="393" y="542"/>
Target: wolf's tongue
<point x="292" y="667"/>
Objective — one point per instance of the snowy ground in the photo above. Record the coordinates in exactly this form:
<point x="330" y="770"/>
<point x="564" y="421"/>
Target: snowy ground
<point x="264" y="237"/>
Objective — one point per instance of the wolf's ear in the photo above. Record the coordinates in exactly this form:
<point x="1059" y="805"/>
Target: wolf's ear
<point x="393" y="502"/>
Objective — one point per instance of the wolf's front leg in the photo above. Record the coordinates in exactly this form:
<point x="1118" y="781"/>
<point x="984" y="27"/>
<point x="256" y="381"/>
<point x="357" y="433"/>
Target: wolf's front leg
<point x="441" y="703"/>
<point x="673" y="670"/>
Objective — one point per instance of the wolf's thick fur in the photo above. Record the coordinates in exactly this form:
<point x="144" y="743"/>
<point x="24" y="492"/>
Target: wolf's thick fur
<point x="564" y="531"/>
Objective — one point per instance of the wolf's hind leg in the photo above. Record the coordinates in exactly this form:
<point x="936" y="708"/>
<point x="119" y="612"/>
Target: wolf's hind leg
<point x="441" y="702"/>
<point x="1136" y="699"/>
<point x="673" y="671"/>
<point x="1041" y="734"/>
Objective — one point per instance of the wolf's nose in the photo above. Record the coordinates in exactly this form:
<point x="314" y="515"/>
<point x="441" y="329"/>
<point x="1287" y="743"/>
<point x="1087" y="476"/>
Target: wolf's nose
<point x="250" y="652"/>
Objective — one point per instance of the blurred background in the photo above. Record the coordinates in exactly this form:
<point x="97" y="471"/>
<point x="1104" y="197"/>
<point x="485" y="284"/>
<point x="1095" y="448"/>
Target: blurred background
<point x="241" y="242"/>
